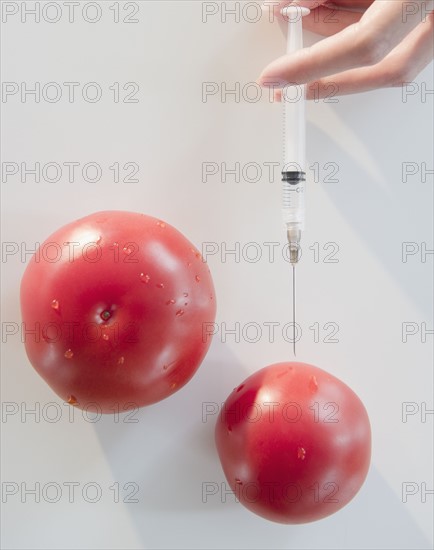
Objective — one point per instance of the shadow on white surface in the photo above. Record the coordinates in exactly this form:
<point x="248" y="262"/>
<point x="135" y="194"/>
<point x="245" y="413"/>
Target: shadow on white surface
<point x="170" y="454"/>
<point x="383" y="210"/>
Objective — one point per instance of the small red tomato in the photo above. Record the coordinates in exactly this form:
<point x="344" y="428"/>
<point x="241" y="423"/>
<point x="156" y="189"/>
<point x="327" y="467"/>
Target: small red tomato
<point x="113" y="307"/>
<point x="294" y="443"/>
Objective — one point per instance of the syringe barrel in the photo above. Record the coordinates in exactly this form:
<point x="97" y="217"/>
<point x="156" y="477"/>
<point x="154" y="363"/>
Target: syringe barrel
<point x="293" y="97"/>
<point x="293" y="199"/>
<point x="293" y="172"/>
<point x="294" y="129"/>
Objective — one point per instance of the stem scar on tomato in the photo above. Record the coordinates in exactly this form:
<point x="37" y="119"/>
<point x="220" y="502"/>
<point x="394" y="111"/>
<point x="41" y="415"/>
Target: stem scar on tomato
<point x="106" y="315"/>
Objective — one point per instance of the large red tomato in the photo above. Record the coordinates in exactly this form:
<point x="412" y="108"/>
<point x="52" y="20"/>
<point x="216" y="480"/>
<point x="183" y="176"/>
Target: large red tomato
<point x="294" y="443"/>
<point x="113" y="307"/>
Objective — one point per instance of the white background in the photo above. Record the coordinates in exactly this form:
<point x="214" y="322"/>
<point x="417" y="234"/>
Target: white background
<point x="369" y="212"/>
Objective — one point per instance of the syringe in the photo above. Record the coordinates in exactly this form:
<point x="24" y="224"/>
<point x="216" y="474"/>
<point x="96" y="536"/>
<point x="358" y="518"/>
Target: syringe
<point x="293" y="173"/>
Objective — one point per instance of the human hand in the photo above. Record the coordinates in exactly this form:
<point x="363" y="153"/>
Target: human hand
<point x="370" y="44"/>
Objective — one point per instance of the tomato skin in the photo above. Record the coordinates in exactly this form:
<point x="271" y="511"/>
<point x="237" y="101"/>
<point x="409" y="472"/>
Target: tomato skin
<point x="118" y="317"/>
<point x="294" y="443"/>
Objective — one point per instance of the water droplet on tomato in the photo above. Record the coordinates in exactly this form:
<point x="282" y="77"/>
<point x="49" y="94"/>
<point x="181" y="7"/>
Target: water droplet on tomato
<point x="180" y="312"/>
<point x="144" y="278"/>
<point x="55" y="305"/>
<point x="284" y="373"/>
<point x="238" y="481"/>
<point x="121" y="360"/>
<point x="301" y="453"/>
<point x="185" y="294"/>
<point x="127" y="250"/>
<point x="313" y="384"/>
<point x="105" y="337"/>
<point x="160" y="285"/>
<point x="115" y="245"/>
<point x="69" y="354"/>
<point x="161" y="224"/>
<point x="189" y="264"/>
<point x="196" y="253"/>
<point x="72" y="400"/>
<point x="197" y="279"/>
<point x="173" y="385"/>
<point x="170" y="302"/>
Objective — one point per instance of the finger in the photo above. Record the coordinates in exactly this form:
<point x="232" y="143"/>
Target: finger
<point x="353" y="4"/>
<point x="276" y="7"/>
<point x="328" y="21"/>
<point x="401" y="66"/>
<point x="380" y="29"/>
<point x="313" y="4"/>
